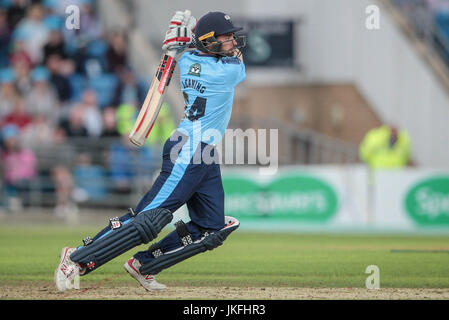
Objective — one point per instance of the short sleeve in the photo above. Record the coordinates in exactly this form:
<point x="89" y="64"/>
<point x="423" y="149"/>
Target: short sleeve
<point x="235" y="70"/>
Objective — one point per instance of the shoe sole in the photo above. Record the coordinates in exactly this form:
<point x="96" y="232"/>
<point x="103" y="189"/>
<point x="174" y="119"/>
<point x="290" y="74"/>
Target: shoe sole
<point x="133" y="273"/>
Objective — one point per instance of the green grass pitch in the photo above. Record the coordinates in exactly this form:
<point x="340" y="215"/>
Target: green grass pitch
<point x="247" y="259"/>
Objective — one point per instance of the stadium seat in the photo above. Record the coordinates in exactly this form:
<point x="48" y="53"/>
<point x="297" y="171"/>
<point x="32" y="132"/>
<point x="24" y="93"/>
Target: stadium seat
<point x="77" y="84"/>
<point x="104" y="85"/>
<point x="97" y="50"/>
<point x="91" y="179"/>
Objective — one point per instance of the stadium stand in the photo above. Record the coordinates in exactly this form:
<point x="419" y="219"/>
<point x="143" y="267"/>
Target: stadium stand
<point x="60" y="91"/>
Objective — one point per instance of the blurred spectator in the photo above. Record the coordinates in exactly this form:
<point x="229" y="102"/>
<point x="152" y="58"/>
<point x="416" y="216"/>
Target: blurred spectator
<point x="60" y="70"/>
<point x="42" y="99"/>
<point x="92" y="119"/>
<point x="16" y="12"/>
<point x="126" y="163"/>
<point x="55" y="44"/>
<point x="5" y="36"/>
<point x="19" y="166"/>
<point x="19" y="50"/>
<point x="96" y="53"/>
<point x="39" y="133"/>
<point x="90" y="59"/>
<point x="18" y="116"/>
<point x="54" y="150"/>
<point x="104" y="85"/>
<point x="8" y="92"/>
<point x="126" y="117"/>
<point x="385" y="147"/>
<point x="73" y="126"/>
<point x="109" y="123"/>
<point x="35" y="31"/>
<point x="128" y="90"/>
<point x="60" y="136"/>
<point x="80" y="58"/>
<point x="21" y="64"/>
<point x="117" y="55"/>
<point x="89" y="21"/>
<point x="63" y="183"/>
<point x="90" y="183"/>
<point x="438" y="5"/>
<point x="163" y="127"/>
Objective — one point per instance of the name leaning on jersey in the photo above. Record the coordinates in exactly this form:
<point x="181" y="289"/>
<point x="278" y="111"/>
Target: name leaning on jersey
<point x="194" y="84"/>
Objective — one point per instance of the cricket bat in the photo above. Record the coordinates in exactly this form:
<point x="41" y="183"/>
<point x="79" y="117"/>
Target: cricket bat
<point x="151" y="106"/>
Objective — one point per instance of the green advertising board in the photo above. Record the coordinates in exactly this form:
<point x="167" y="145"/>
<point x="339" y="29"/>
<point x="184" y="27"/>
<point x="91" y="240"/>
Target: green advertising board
<point x="427" y="202"/>
<point x="293" y="196"/>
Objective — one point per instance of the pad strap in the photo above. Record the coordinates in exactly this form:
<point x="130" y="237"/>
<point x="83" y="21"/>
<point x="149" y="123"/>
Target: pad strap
<point x="184" y="235"/>
<point x="209" y="241"/>
<point x="155" y="250"/>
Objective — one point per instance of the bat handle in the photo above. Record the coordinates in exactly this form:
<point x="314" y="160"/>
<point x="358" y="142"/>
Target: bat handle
<point x="171" y="53"/>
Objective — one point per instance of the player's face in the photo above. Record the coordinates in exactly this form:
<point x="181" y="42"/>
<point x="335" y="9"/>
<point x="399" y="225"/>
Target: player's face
<point x="228" y="42"/>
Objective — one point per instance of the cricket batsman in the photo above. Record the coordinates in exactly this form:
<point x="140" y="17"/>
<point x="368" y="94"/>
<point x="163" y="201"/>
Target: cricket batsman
<point x="208" y="75"/>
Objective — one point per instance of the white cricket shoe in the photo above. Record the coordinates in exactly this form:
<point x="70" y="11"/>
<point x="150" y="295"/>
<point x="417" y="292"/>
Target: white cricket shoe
<point x="67" y="271"/>
<point x="147" y="281"/>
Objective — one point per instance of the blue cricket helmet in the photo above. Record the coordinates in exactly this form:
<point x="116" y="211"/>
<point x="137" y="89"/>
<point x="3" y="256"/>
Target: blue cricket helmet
<point x="211" y="25"/>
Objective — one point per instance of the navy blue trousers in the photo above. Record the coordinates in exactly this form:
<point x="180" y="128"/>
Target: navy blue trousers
<point x="188" y="176"/>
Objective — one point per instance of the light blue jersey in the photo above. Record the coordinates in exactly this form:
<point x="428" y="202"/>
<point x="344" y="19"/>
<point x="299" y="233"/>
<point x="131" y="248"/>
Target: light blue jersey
<point x="207" y="84"/>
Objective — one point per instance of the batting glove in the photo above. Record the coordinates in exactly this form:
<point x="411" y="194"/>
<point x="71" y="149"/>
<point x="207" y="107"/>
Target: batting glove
<point x="183" y="18"/>
<point x="177" y="38"/>
<point x="177" y="19"/>
<point x="191" y="23"/>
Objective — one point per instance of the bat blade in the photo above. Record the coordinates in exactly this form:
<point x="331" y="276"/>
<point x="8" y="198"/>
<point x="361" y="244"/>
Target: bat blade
<point x="152" y="104"/>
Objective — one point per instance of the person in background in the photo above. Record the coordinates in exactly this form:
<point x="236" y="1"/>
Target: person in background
<point x="109" y="123"/>
<point x="92" y="119"/>
<point x="60" y="71"/>
<point x="5" y="37"/>
<point x="21" y="64"/>
<point x="19" y="168"/>
<point x="39" y="134"/>
<point x="64" y="186"/>
<point x="18" y="48"/>
<point x="90" y="21"/>
<point x="126" y="163"/>
<point x="33" y="27"/>
<point x="18" y="116"/>
<point x="128" y="90"/>
<point x="126" y="115"/>
<point x="8" y="91"/>
<point x="117" y="53"/>
<point x="42" y="100"/>
<point x="89" y="179"/>
<point x="386" y="147"/>
<point x="73" y="125"/>
<point x="16" y="12"/>
<point x="55" y="44"/>
<point x="163" y="127"/>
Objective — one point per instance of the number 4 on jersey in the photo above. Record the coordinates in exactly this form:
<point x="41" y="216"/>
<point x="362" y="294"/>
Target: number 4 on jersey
<point x="197" y="109"/>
